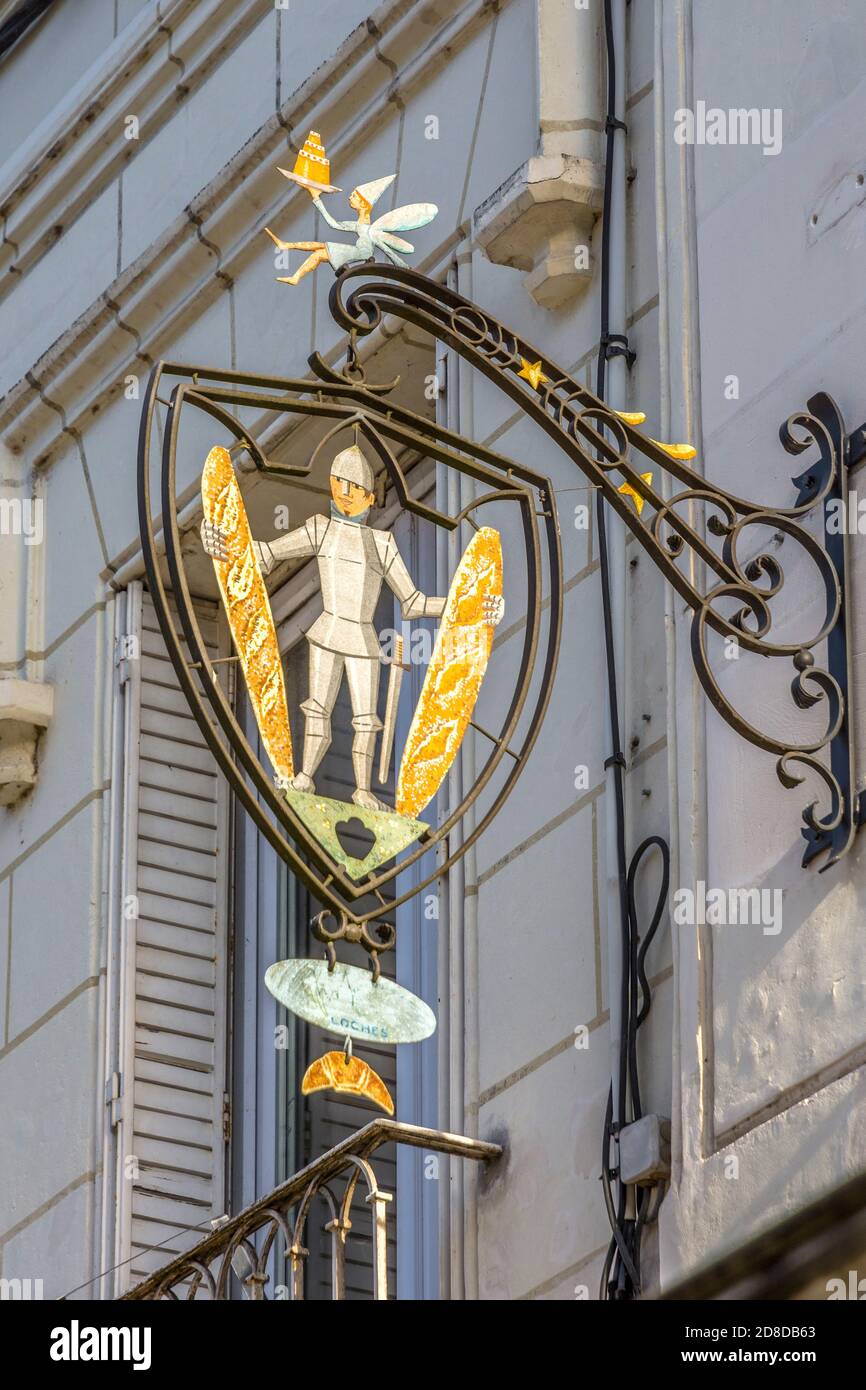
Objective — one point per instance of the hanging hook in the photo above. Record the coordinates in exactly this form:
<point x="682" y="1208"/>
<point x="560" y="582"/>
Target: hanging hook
<point x="354" y="367"/>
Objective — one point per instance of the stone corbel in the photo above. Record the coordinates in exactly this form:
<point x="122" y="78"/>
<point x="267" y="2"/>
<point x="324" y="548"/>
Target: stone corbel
<point x="26" y="707"/>
<point x="540" y="221"/>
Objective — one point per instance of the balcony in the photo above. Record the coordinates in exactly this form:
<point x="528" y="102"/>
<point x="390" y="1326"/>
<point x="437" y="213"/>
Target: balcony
<point x="273" y="1228"/>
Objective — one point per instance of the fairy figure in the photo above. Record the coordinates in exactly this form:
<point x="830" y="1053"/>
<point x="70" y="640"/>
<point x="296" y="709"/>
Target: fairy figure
<point x="368" y="236"/>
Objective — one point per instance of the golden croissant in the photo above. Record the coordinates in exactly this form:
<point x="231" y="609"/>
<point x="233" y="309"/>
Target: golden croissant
<point x="334" y="1072"/>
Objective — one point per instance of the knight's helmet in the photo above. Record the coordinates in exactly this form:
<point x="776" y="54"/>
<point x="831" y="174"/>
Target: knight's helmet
<point x="351" y="466"/>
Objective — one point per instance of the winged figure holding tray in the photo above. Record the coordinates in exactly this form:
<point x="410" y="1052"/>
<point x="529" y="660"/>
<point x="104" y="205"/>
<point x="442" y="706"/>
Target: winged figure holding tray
<point x="312" y="172"/>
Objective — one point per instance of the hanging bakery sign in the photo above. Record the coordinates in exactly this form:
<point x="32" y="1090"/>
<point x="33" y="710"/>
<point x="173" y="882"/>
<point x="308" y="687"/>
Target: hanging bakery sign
<point x="397" y="793"/>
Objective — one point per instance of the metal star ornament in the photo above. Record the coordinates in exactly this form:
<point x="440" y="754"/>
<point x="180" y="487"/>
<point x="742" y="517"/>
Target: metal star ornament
<point x="532" y="372"/>
<point x="633" y="493"/>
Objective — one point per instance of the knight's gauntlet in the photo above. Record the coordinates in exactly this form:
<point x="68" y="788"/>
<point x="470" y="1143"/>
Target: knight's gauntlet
<point x="264" y="555"/>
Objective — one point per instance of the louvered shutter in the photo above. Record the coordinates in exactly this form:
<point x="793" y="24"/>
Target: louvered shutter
<point x="173" y="1126"/>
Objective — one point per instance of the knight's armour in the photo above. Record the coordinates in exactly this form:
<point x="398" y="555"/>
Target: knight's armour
<point x="354" y="562"/>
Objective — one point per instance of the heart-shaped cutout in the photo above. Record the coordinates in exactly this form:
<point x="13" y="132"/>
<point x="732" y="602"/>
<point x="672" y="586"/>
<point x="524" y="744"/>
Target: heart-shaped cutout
<point x="356" y="839"/>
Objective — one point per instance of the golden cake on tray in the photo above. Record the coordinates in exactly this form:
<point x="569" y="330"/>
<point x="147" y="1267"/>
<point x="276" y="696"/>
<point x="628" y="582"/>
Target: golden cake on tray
<point x="312" y="167"/>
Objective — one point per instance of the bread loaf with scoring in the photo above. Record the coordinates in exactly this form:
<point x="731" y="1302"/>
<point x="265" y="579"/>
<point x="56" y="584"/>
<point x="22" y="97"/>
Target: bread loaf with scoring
<point x="248" y="609"/>
<point x="454" y="676"/>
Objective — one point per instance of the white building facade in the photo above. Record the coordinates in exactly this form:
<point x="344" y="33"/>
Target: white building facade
<point x="142" y="1091"/>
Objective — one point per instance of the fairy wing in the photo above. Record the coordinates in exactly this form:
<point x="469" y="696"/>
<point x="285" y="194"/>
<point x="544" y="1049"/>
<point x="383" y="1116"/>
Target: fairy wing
<point x="384" y="239"/>
<point x="404" y="219"/>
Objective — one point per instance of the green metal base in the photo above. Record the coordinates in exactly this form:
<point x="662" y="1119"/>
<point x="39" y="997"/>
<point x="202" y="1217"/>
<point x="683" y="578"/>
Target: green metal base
<point x="321" y="815"/>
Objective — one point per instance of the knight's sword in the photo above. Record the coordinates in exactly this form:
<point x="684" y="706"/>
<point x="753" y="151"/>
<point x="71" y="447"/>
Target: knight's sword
<point x="395" y="679"/>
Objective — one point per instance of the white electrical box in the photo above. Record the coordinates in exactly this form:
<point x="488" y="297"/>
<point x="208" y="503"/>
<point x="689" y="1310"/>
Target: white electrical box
<point x="645" y="1151"/>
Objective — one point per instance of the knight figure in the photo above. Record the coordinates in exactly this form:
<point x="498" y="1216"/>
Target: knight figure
<point x="354" y="561"/>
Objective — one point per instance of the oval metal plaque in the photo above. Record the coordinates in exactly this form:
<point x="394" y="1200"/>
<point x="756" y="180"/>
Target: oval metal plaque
<point x="348" y="1003"/>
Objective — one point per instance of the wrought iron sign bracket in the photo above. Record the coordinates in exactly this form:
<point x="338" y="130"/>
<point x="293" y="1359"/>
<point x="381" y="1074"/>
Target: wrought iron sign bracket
<point x="856" y="447"/>
<point x="695" y="532"/>
<point x="677" y="514"/>
<point x="849" y="450"/>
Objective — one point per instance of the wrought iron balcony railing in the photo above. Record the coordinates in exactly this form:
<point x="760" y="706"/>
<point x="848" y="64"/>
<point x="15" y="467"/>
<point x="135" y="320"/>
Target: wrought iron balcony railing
<point x="275" y="1225"/>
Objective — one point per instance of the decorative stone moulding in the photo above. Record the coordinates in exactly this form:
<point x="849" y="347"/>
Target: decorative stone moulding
<point x="540" y="221"/>
<point x="25" y="708"/>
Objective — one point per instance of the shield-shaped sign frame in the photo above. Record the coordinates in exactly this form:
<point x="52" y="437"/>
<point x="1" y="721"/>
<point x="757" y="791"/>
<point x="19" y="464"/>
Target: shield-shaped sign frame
<point x="349" y="402"/>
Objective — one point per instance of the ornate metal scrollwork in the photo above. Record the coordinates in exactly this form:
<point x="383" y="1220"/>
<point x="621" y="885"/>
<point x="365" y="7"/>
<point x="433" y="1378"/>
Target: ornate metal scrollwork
<point x="736" y="602"/>
<point x="375" y="937"/>
<point x="697" y="533"/>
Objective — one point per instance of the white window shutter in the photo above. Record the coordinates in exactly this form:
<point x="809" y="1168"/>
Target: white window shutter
<point x="174" y="1121"/>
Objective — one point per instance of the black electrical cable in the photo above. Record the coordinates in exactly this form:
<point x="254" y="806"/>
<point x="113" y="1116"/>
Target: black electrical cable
<point x="20" y="21"/>
<point x="620" y="1277"/>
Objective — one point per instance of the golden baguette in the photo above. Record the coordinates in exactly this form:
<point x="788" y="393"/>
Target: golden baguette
<point x="334" y="1073"/>
<point x="249" y="612"/>
<point x="454" y="675"/>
